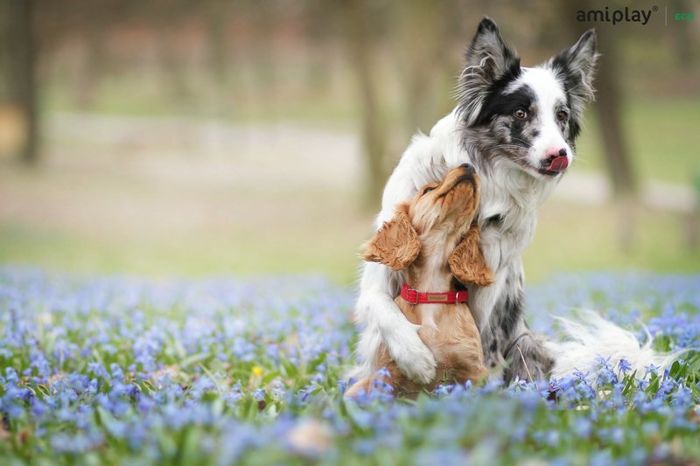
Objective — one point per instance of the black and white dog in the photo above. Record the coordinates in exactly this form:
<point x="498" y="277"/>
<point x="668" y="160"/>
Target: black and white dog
<point x="518" y="127"/>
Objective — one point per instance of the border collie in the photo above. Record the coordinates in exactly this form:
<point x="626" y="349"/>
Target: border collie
<point x="518" y="127"/>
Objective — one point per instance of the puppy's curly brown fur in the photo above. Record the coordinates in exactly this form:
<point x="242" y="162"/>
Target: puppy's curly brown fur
<point x="396" y="243"/>
<point x="433" y="241"/>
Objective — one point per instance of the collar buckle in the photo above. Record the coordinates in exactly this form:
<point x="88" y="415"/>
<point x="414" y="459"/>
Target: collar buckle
<point x="409" y="294"/>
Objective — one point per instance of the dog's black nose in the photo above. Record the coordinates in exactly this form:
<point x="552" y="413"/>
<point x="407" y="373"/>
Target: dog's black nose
<point x="469" y="167"/>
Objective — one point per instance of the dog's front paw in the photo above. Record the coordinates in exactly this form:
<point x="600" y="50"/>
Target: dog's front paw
<point x="413" y="358"/>
<point x="528" y="359"/>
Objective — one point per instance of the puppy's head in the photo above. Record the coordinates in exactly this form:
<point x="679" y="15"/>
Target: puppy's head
<point x="440" y="215"/>
<point x="448" y="206"/>
<point x="527" y="117"/>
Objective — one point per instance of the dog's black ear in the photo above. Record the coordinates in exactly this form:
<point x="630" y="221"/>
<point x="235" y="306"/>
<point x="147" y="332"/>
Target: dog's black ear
<point x="578" y="63"/>
<point x="575" y="67"/>
<point x="489" y="59"/>
<point x="489" y="52"/>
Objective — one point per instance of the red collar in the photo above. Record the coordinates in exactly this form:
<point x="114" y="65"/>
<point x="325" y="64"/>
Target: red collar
<point x="448" y="297"/>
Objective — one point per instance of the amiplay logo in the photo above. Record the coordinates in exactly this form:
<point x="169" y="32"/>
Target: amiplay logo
<point x="616" y="16"/>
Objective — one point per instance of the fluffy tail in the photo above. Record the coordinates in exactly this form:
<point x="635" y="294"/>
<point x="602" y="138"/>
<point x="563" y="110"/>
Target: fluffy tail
<point x="589" y="337"/>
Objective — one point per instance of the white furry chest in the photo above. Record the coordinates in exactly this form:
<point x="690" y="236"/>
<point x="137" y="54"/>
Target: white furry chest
<point x="508" y="215"/>
<point x="504" y="242"/>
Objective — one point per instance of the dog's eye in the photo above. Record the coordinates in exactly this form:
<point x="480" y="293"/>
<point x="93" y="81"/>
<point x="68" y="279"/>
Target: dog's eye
<point x="520" y="114"/>
<point x="562" y="116"/>
<point x="427" y="190"/>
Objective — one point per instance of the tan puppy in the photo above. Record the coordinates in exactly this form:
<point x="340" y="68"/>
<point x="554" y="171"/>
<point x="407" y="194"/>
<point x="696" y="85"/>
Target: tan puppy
<point x="433" y="241"/>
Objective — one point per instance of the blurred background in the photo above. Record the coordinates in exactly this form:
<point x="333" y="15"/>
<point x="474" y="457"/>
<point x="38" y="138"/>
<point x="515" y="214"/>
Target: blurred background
<point x="187" y="137"/>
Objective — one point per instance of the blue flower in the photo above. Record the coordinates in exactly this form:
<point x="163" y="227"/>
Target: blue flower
<point x="126" y="369"/>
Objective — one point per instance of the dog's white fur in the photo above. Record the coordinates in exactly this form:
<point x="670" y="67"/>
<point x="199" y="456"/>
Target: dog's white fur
<point x="549" y="95"/>
<point x="591" y="337"/>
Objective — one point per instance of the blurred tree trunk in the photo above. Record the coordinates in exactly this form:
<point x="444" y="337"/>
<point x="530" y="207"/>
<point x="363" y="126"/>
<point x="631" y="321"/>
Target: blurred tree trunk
<point x="608" y="108"/>
<point x="217" y="16"/>
<point x="374" y="130"/>
<point x="420" y="46"/>
<point x="267" y="83"/>
<point x="608" y="105"/>
<point x="320" y="20"/>
<point x="692" y="223"/>
<point x="167" y="22"/>
<point x="23" y="63"/>
<point x="681" y="35"/>
<point x="609" y="111"/>
<point x="174" y="70"/>
<point x="94" y="62"/>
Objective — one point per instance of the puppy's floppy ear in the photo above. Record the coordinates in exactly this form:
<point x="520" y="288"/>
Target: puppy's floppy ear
<point x="489" y="59"/>
<point x="467" y="261"/>
<point x="396" y="243"/>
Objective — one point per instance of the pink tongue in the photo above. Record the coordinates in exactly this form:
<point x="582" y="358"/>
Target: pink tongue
<point x="558" y="164"/>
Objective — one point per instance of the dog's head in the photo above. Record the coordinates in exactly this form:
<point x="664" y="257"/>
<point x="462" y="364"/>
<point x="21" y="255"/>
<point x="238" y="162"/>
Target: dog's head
<point x="527" y="116"/>
<point x="438" y="220"/>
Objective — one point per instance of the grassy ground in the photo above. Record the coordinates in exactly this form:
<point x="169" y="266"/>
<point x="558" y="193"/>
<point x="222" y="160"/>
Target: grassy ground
<point x="570" y="237"/>
<point x="662" y="139"/>
<point x="163" y="199"/>
<point x="573" y="237"/>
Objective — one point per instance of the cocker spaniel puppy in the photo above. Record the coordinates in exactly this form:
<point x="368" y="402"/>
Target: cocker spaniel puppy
<point x="433" y="241"/>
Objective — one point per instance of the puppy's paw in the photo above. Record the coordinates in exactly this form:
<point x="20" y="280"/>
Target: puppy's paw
<point x="412" y="357"/>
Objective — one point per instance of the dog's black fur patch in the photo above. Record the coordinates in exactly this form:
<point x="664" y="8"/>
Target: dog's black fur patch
<point x="490" y="66"/>
<point x="508" y="313"/>
<point x="498" y="103"/>
<point x="568" y="81"/>
<point x="497" y="132"/>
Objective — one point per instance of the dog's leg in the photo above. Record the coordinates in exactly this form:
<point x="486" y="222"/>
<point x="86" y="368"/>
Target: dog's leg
<point x="484" y="303"/>
<point x="523" y="351"/>
<point x="527" y="358"/>
<point x="493" y="353"/>
<point x="385" y="323"/>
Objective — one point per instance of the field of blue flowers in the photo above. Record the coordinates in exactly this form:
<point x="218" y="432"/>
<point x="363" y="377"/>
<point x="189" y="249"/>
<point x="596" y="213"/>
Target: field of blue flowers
<point x="124" y="370"/>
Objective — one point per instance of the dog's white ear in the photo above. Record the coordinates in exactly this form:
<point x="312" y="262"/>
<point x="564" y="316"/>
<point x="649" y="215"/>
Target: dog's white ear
<point x="467" y="262"/>
<point x="396" y="243"/>
<point x="488" y="60"/>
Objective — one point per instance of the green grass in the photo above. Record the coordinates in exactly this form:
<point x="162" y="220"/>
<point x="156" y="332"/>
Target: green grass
<point x="662" y="135"/>
<point x="238" y="255"/>
<point x="576" y="237"/>
<point x="569" y="237"/>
